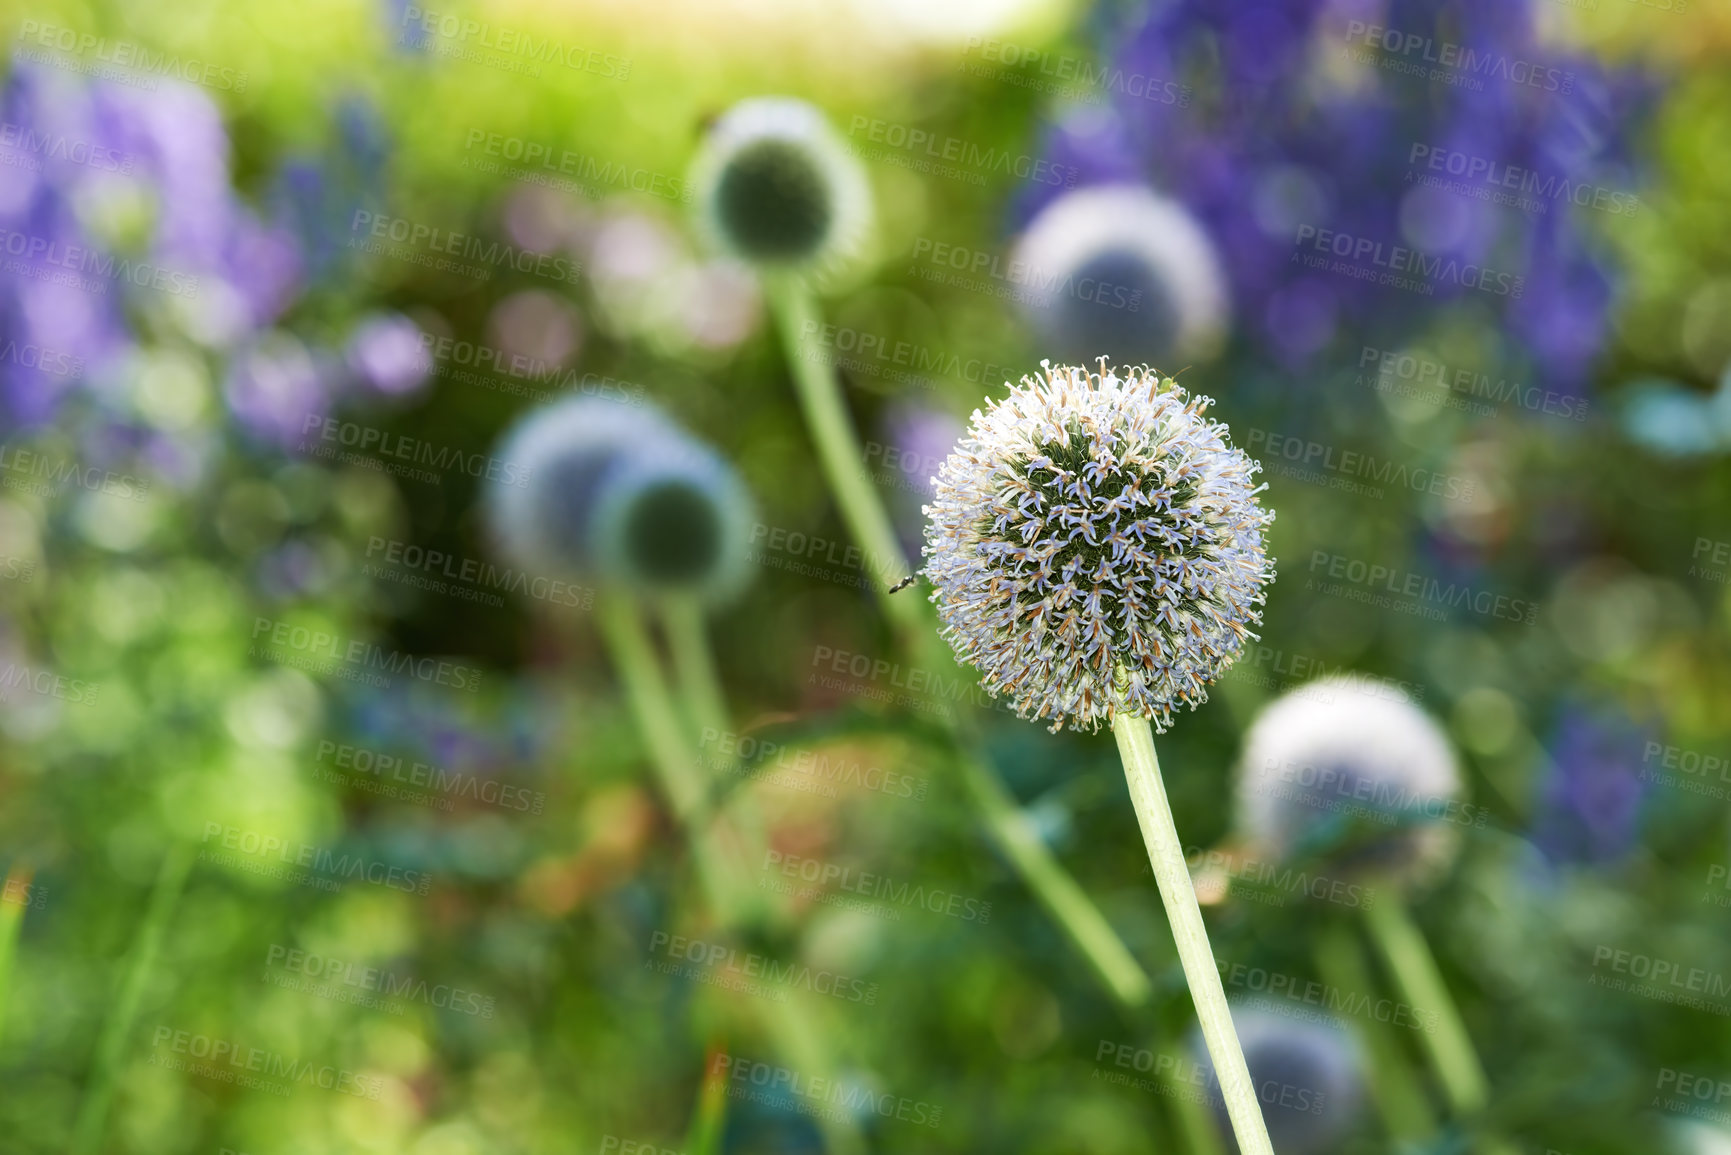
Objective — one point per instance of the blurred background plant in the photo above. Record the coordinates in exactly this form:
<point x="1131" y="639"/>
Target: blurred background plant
<point x="276" y="279"/>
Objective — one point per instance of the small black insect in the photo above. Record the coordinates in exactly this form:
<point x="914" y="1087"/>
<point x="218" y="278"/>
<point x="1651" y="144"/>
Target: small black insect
<point x="903" y="584"/>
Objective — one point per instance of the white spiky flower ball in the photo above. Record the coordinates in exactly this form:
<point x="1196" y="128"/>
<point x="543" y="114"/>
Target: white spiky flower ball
<point x="1096" y="546"/>
<point x="618" y="493"/>
<point x="776" y="186"/>
<point x="1349" y="771"/>
<point x="1120" y="272"/>
<point x="1309" y="1076"/>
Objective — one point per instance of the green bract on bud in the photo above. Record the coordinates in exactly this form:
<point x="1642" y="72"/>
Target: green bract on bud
<point x="1118" y="272"/>
<point x="619" y="494"/>
<point x="1347" y="772"/>
<point x="1096" y="546"/>
<point x="777" y="187"/>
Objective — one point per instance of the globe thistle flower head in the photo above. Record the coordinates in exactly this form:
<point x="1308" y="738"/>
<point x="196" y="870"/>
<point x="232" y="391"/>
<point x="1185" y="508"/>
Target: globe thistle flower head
<point x="777" y="188"/>
<point x="1096" y="546"/>
<point x="563" y="453"/>
<point x="1349" y="772"/>
<point x="1117" y="271"/>
<point x="613" y="492"/>
<point x="672" y="516"/>
<point x="1308" y="1076"/>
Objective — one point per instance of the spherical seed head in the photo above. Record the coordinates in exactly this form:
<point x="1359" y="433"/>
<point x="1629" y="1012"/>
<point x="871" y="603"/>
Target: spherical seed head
<point x="1349" y="772"/>
<point x="1308" y="1076"/>
<point x="601" y="490"/>
<point x="1096" y="546"/>
<point x="673" y="516"/>
<point x="777" y="187"/>
<point x="1119" y="272"/>
<point x="541" y="515"/>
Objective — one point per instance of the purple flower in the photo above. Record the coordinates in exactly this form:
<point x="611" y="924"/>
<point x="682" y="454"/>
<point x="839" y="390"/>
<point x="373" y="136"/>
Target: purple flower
<point x="1331" y="147"/>
<point x="275" y="386"/>
<point x="1590" y="800"/>
<point x="917" y="438"/>
<point x="123" y="202"/>
<point x="385" y="352"/>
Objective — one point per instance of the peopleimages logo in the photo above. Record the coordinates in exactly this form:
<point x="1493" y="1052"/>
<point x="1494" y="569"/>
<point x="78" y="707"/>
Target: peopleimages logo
<point x="711" y="957"/>
<point x="34" y="147"/>
<point x="820" y="1097"/>
<point x="878" y="887"/>
<point x="354" y="982"/>
<point x="50" y="361"/>
<point x="455" y="246"/>
<point x="1507" y="178"/>
<point x="1398" y="266"/>
<point x="1316" y="455"/>
<point x="318" y="645"/>
<point x="232" y="1062"/>
<point x="47" y="683"/>
<point x="1415" y="588"/>
<point x="816" y="773"/>
<point x="1414" y="51"/>
<point x="954" y="150"/>
<point x="1016" y="279"/>
<point x="468" y="37"/>
<point x="1395" y="366"/>
<point x="38" y="254"/>
<point x="1037" y="69"/>
<point x="590" y="173"/>
<point x="126" y="54"/>
<point x="304" y="857"/>
<point x="864" y="348"/>
<point x="399" y="448"/>
<point x="422" y="776"/>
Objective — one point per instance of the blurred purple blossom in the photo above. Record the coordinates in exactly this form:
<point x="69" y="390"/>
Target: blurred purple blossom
<point x="917" y="438"/>
<point x="386" y="353"/>
<point x="274" y="386"/>
<point x="1590" y="800"/>
<point x="123" y="206"/>
<point x="1268" y="117"/>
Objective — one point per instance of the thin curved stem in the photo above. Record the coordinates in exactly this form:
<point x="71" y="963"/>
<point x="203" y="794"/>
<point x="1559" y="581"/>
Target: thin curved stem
<point x="843" y="462"/>
<point x="694" y="667"/>
<point x="722" y="877"/>
<point x="1061" y="895"/>
<point x="682" y="620"/>
<point x="1166" y="855"/>
<point x="703" y="1137"/>
<point x="1406" y="1115"/>
<point x="726" y="888"/>
<point x="1413" y="967"/>
<point x="11" y="922"/>
<point x="1194" y="1121"/>
<point x="838" y="448"/>
<point x="158" y="911"/>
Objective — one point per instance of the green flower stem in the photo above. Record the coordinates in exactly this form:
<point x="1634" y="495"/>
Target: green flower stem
<point x="682" y="620"/>
<point x="722" y="877"/>
<point x="838" y="449"/>
<point x="795" y="1026"/>
<point x="1166" y="855"/>
<point x="703" y="1137"/>
<point x="1406" y="1114"/>
<point x="1197" y="1131"/>
<point x="694" y="665"/>
<point x="11" y="922"/>
<point x="1062" y="897"/>
<point x="843" y="464"/>
<point x="726" y="887"/>
<point x="159" y="909"/>
<point x="1409" y="960"/>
